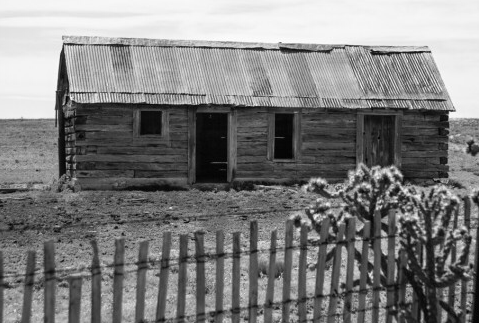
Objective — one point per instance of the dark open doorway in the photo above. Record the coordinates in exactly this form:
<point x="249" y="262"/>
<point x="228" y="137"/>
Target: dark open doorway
<point x="211" y="147"/>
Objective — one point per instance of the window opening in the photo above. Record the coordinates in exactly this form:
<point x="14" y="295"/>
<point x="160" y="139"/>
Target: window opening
<point x="150" y="122"/>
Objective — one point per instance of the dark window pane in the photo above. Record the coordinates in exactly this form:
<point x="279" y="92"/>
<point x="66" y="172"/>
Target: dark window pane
<point x="150" y="122"/>
<point x="283" y="136"/>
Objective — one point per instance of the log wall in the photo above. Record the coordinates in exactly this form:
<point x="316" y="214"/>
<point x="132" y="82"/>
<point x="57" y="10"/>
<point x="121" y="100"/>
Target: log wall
<point x="107" y="155"/>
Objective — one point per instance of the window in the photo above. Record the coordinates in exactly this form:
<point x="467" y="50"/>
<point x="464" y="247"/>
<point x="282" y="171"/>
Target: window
<point x="283" y="136"/>
<point x="150" y="123"/>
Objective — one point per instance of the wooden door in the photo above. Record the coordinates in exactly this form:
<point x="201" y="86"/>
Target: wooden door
<point x="378" y="141"/>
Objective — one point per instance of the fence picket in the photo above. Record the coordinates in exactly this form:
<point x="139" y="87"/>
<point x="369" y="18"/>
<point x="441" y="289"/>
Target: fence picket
<point x="182" y="279"/>
<point x="268" y="304"/>
<point x="220" y="275"/>
<point x="391" y="261"/>
<point x="401" y="285"/>
<point x="164" y="273"/>
<point x="236" y="278"/>
<point x="363" y="275"/>
<point x="50" y="282"/>
<point x="377" y="266"/>
<point x="288" y="266"/>
<point x="335" y="273"/>
<point x="415" y="309"/>
<point x="95" y="285"/>
<point x="141" y="281"/>
<point x="253" y="273"/>
<point x="2" y="286"/>
<point x="303" y="253"/>
<point x="118" y="277"/>
<point x="320" y="265"/>
<point x="74" y="302"/>
<point x="28" y="291"/>
<point x="452" y="290"/>
<point x="200" y="276"/>
<point x="348" y="300"/>
<point x="467" y="223"/>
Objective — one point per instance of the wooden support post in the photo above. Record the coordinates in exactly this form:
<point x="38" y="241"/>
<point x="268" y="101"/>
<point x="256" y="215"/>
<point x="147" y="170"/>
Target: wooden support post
<point x="253" y="273"/>
<point x="467" y="223"/>
<point x="182" y="279"/>
<point x="391" y="261"/>
<point x="377" y="266"/>
<point x="50" y="282"/>
<point x="220" y="275"/>
<point x="200" y="277"/>
<point x="335" y="273"/>
<point x="288" y="267"/>
<point x="320" y="266"/>
<point x="348" y="299"/>
<point x="302" y="270"/>
<point x="236" y="278"/>
<point x="118" y="277"/>
<point x="164" y="272"/>
<point x="363" y="275"/>
<point x="28" y="291"/>
<point x="95" y="285"/>
<point x="268" y="304"/>
<point x="2" y="282"/>
<point x="141" y="282"/>
<point x="74" y="303"/>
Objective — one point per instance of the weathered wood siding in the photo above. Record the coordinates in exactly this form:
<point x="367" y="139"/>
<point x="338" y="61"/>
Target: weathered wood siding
<point x="107" y="152"/>
<point x="425" y="145"/>
<point x="327" y="146"/>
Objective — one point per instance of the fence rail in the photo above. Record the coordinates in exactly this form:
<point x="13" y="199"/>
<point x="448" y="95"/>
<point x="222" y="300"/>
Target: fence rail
<point x="339" y="286"/>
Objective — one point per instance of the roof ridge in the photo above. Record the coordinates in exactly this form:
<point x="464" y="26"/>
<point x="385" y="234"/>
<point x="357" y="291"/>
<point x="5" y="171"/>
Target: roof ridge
<point x="97" y="40"/>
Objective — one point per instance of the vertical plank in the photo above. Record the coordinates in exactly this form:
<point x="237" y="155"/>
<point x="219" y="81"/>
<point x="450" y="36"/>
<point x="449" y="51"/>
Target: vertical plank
<point x="297" y="135"/>
<point x="200" y="276"/>
<point x="50" y="282"/>
<point x="1" y="287"/>
<point x="397" y="139"/>
<point x="377" y="266"/>
<point x="363" y="275"/>
<point x="270" y="151"/>
<point x="28" y="291"/>
<point x="335" y="273"/>
<point x="475" y="303"/>
<point x="320" y="266"/>
<point x="141" y="281"/>
<point x="402" y="284"/>
<point x="232" y="145"/>
<point x="391" y="261"/>
<point x="236" y="278"/>
<point x="303" y="258"/>
<point x="415" y="310"/>
<point x="467" y="223"/>
<point x="268" y="304"/>
<point x="118" y="277"/>
<point x="164" y="273"/>
<point x="220" y="275"/>
<point x="95" y="284"/>
<point x="288" y="267"/>
<point x="452" y="289"/>
<point x="74" y="303"/>
<point x="360" y="138"/>
<point x="182" y="279"/>
<point x="350" y="240"/>
<point x="191" y="145"/>
<point x="253" y="273"/>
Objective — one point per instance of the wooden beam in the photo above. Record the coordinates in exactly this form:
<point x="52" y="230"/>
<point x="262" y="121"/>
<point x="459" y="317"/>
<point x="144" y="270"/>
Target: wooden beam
<point x="191" y="145"/>
<point x="397" y="140"/>
<point x="359" y="138"/>
<point x="232" y="144"/>
<point x="297" y="136"/>
<point x="270" y="153"/>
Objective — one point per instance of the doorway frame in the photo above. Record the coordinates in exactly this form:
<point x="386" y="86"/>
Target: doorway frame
<point x="397" y="114"/>
<point x="231" y="140"/>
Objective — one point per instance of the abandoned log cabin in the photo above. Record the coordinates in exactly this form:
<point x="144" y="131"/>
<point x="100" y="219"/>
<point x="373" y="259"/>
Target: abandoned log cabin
<point x="136" y="112"/>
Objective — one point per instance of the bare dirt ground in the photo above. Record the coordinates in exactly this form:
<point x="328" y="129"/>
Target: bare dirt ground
<point x="27" y="219"/>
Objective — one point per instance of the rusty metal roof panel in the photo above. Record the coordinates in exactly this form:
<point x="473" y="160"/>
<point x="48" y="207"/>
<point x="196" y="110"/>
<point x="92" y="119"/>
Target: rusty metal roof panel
<point x="252" y="74"/>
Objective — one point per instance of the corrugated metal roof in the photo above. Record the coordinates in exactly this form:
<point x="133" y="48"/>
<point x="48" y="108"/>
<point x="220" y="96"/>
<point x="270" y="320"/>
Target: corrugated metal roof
<point x="111" y="70"/>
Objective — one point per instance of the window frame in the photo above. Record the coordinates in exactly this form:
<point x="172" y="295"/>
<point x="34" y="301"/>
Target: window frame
<point x="296" y="135"/>
<point x="164" y="124"/>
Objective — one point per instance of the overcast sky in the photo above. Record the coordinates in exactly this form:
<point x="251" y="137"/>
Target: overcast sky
<point x="31" y="30"/>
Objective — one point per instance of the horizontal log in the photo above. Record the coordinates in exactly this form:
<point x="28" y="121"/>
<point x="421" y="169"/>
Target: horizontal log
<point x="132" y="150"/>
<point x="324" y="136"/>
<point x="425" y="153"/>
<point x="251" y="158"/>
<point x="120" y="127"/>
<point x="160" y="174"/>
<point x="131" y="158"/>
<point x="426" y="167"/>
<point x="329" y="146"/>
<point x="129" y="183"/>
<point x="173" y="166"/>
<point x="104" y="173"/>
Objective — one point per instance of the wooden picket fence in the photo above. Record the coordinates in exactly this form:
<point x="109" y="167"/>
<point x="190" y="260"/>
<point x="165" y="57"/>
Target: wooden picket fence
<point x="345" y="300"/>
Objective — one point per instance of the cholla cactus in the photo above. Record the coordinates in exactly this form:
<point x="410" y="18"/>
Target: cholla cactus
<point x="426" y="224"/>
<point x="367" y="191"/>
